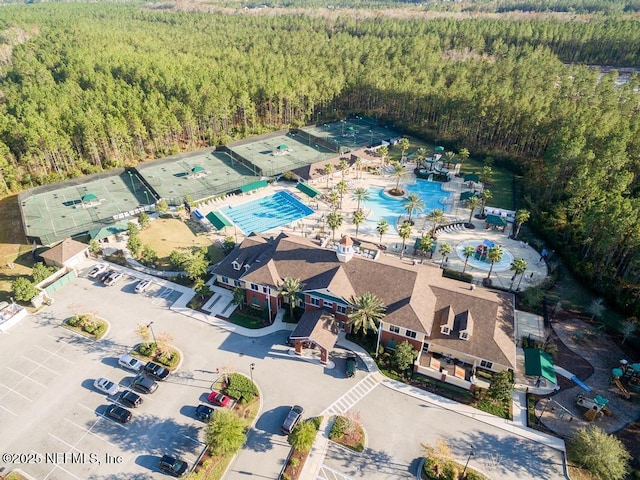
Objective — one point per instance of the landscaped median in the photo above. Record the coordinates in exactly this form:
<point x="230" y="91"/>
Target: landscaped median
<point x="88" y="324"/>
<point x="301" y="440"/>
<point x="439" y="465"/>
<point x="227" y="430"/>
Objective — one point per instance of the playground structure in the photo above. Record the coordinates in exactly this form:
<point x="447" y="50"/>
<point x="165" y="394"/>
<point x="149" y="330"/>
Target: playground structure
<point x="482" y="251"/>
<point x="597" y="406"/>
<point x="626" y="377"/>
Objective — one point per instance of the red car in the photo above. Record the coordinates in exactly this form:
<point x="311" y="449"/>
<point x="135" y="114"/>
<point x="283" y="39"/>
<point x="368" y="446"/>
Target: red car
<point x="218" y="399"/>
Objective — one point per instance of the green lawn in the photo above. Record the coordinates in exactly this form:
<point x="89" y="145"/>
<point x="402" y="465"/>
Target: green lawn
<point x="502" y="188"/>
<point x="247" y="319"/>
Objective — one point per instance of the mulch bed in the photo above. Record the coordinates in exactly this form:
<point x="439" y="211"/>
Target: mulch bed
<point x="566" y="358"/>
<point x="297" y="458"/>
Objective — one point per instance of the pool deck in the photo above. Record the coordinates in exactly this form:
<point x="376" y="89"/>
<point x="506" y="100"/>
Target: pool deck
<point x="310" y="226"/>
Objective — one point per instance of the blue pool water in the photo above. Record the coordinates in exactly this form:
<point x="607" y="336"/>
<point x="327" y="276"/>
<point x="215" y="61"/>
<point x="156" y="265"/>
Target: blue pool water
<point x="386" y="207"/>
<point x="267" y="212"/>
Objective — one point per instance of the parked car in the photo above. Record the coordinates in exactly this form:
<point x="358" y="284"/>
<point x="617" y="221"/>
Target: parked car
<point x="292" y="419"/>
<point x="107" y="274"/>
<point x="119" y="414"/>
<point x="173" y="466"/>
<point x="144" y="384"/>
<point x="106" y="386"/>
<point x="130" y="363"/>
<point x="130" y="399"/>
<point x="350" y="369"/>
<point x="156" y="371"/>
<point x="218" y="399"/>
<point x="204" y="412"/>
<point x="142" y="285"/>
<point x="97" y="270"/>
<point x="113" y="278"/>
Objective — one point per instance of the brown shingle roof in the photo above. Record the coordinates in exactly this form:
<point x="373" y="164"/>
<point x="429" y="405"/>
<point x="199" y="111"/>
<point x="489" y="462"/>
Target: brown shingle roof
<point x="65" y="250"/>
<point x="319" y="326"/>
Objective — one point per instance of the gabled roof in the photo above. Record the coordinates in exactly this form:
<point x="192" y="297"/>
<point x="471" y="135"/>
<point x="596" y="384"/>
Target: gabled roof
<point x="319" y="326"/>
<point x="65" y="250"/>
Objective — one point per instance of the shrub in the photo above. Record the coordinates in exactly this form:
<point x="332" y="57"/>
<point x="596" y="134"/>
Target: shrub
<point x="168" y="359"/>
<point x="225" y="432"/>
<point x="449" y="472"/>
<point x="147" y="349"/>
<point x="338" y="428"/>
<point x="603" y="455"/>
<point x="302" y="436"/>
<point x="294" y="462"/>
<point x="471" y="475"/>
<point x="241" y="387"/>
<point x="100" y="329"/>
<point x="75" y="321"/>
<point x="464" y="277"/>
<point x="316" y="421"/>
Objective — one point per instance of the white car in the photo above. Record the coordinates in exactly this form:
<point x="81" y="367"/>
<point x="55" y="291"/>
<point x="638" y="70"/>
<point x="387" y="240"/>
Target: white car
<point x="113" y="278"/>
<point x="97" y="270"/>
<point x="106" y="386"/>
<point x="130" y="363"/>
<point x="142" y="285"/>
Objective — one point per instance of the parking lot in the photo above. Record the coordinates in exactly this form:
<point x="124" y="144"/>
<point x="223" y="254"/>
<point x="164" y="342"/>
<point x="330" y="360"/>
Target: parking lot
<point x="56" y="416"/>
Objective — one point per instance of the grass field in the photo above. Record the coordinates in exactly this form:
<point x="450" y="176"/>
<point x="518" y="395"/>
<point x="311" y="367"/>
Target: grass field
<point x="13" y="248"/>
<point x="165" y="235"/>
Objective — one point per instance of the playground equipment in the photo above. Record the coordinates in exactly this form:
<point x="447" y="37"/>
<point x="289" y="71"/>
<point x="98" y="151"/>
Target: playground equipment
<point x="596" y="406"/>
<point x="616" y="374"/>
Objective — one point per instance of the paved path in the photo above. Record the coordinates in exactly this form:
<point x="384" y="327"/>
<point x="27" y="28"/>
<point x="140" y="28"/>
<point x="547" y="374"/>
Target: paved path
<point x="353" y="396"/>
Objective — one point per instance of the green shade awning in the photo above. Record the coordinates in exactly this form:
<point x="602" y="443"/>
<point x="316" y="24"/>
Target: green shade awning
<point x="471" y="177"/>
<point x="218" y="220"/>
<point x="253" y="186"/>
<point x="308" y="190"/>
<point x="438" y="149"/>
<point x="539" y="363"/>
<point x="284" y="146"/>
<point x="467" y="195"/>
<point x="197" y="169"/>
<point x="104" y="232"/>
<point x="496" y="220"/>
<point x="89" y="197"/>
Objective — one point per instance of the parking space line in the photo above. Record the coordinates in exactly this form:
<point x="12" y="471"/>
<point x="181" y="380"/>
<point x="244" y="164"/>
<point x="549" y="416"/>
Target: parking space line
<point x="27" y="377"/>
<point x="58" y="339"/>
<point x="66" y="443"/>
<point x="40" y="365"/>
<point x="12" y="390"/>
<point x="5" y="408"/>
<point x="64" y="470"/>
<point x="89" y="431"/>
<point x="191" y="438"/>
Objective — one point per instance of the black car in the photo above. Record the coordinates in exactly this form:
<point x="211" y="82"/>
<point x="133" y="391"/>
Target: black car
<point x="204" y="412"/>
<point x="173" y="466"/>
<point x="350" y="369"/>
<point x="130" y="399"/>
<point x="293" y="417"/>
<point x="156" y="371"/>
<point x="119" y="414"/>
<point x="107" y="274"/>
<point x="144" y="384"/>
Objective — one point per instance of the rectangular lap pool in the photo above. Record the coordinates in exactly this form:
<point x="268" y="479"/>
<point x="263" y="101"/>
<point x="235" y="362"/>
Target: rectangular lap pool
<point x="266" y="213"/>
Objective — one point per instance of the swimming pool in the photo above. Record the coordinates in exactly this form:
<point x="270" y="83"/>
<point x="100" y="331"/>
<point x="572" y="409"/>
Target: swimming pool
<point x="266" y="213"/>
<point x="386" y="207"/>
<point x="477" y="262"/>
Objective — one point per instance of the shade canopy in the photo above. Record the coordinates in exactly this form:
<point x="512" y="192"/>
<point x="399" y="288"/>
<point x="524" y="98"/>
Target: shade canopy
<point x="283" y="146"/>
<point x="253" y="186"/>
<point x="539" y="363"/>
<point x="496" y="220"/>
<point x="89" y="197"/>
<point x="472" y="177"/>
<point x="467" y="195"/>
<point x="438" y="149"/>
<point x="218" y="221"/>
<point x="197" y="169"/>
<point x="308" y="190"/>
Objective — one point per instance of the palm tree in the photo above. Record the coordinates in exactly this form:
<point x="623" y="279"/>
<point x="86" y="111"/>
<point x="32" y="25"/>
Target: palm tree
<point x="328" y="171"/>
<point x="334" y="222"/>
<point x="341" y="187"/>
<point x="444" y="250"/>
<point x="413" y="204"/>
<point x="368" y="312"/>
<point x="360" y="194"/>
<point x="519" y="265"/>
<point x="449" y="157"/>
<point x="437" y="217"/>
<point x="358" y="165"/>
<point x="425" y="245"/>
<point x="382" y="228"/>
<point x="521" y="216"/>
<point x="495" y="255"/>
<point x="404" y="145"/>
<point x="358" y="219"/>
<point x="467" y="252"/>
<point x="383" y="151"/>
<point x="398" y="172"/>
<point x="463" y="154"/>
<point x="290" y="289"/>
<point x="334" y="199"/>
<point x="422" y="154"/>
<point x="485" y="196"/>
<point x="405" y="233"/>
<point x="342" y="166"/>
<point x="473" y="203"/>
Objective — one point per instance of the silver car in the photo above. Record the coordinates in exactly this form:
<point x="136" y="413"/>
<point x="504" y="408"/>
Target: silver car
<point x="130" y="363"/>
<point x="106" y="386"/>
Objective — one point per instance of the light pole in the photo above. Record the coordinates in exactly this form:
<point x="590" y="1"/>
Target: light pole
<point x="146" y="194"/>
<point x="133" y="186"/>
<point x="371" y="142"/>
<point x="152" y="334"/>
<point x="472" y="452"/>
<point x="251" y="367"/>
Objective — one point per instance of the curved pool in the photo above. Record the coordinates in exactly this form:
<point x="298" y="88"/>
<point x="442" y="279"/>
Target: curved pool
<point x="476" y="260"/>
